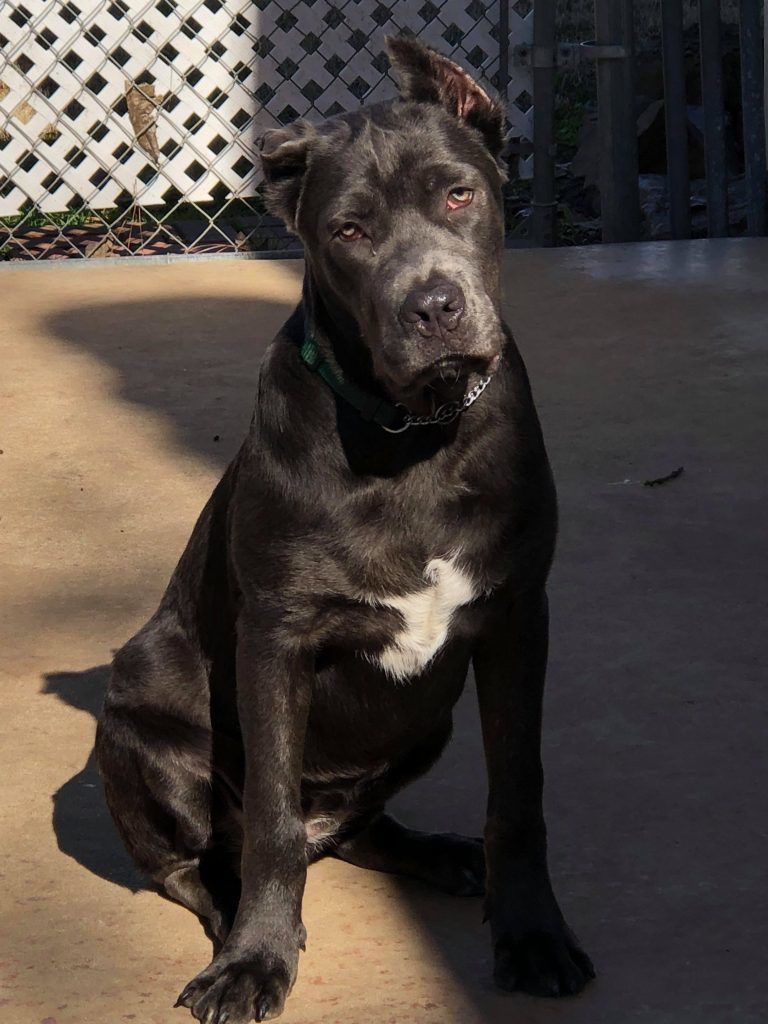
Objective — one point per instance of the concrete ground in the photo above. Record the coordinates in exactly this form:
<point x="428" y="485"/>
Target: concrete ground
<point x="124" y="390"/>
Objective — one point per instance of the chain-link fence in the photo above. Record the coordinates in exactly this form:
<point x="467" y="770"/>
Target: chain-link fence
<point x="130" y="128"/>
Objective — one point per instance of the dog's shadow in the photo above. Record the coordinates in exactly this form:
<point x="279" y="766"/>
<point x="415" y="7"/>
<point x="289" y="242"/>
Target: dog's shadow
<point x="81" y="820"/>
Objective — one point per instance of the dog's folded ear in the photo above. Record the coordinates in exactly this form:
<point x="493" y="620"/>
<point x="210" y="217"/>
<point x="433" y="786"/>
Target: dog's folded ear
<point x="426" y="76"/>
<point x="284" y="156"/>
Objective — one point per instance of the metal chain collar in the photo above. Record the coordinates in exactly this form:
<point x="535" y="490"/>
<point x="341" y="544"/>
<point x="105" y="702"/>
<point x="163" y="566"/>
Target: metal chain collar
<point x="445" y="413"/>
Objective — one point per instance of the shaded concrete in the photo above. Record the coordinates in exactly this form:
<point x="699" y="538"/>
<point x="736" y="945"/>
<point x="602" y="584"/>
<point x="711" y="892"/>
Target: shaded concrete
<point x="114" y="383"/>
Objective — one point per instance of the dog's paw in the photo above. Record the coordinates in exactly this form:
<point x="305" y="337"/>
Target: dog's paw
<point x="542" y="963"/>
<point x="238" y="992"/>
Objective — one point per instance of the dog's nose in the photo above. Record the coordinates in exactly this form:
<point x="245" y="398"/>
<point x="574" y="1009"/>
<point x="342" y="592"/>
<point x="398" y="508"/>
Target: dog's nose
<point x="433" y="309"/>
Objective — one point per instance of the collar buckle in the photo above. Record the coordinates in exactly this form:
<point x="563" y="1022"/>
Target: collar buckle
<point x="310" y="353"/>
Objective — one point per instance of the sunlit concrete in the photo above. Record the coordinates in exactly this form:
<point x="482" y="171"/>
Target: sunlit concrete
<point x="123" y="392"/>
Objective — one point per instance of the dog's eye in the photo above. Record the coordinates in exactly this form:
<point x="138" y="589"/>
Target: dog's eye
<point x="350" y="232"/>
<point x="459" y="197"/>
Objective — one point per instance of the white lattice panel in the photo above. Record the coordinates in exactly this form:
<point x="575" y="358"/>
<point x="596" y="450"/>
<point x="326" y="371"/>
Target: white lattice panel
<point x="226" y="70"/>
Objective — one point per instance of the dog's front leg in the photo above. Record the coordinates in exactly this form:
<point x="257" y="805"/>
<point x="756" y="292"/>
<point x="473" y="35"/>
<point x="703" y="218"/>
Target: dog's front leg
<point x="534" y="949"/>
<point x="257" y="965"/>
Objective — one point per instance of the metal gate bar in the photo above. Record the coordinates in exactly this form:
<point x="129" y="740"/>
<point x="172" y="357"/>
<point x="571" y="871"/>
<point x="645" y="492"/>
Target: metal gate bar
<point x="676" y="118"/>
<point x="619" y="195"/>
<point x="753" y="114"/>
<point x="543" y="72"/>
<point x="714" y="117"/>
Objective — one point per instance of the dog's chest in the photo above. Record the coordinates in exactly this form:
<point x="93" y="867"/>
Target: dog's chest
<point x="427" y="614"/>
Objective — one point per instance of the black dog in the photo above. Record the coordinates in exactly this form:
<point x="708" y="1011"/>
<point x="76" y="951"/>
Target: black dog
<point x="387" y="519"/>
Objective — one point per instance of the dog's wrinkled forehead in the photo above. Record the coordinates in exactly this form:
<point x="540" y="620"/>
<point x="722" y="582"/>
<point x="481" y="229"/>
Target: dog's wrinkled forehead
<point x="389" y="157"/>
<point x="370" y="140"/>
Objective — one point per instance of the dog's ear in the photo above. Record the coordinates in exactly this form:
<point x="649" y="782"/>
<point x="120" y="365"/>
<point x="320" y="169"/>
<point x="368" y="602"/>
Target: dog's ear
<point x="284" y="157"/>
<point x="426" y="76"/>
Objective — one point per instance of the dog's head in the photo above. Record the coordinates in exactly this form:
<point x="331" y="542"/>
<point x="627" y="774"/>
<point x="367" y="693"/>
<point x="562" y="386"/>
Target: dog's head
<point x="399" y="208"/>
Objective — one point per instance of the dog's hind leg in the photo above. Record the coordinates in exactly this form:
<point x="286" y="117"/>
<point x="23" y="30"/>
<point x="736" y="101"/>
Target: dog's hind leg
<point x="162" y="811"/>
<point x="453" y="863"/>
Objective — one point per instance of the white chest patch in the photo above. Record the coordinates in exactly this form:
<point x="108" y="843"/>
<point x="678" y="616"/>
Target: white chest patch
<point x="427" y="617"/>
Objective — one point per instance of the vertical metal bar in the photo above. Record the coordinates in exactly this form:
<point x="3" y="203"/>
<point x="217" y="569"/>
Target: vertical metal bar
<point x="544" y="201"/>
<point x="617" y="126"/>
<point x="676" y="119"/>
<point x="714" y="117"/>
<point x="752" y="114"/>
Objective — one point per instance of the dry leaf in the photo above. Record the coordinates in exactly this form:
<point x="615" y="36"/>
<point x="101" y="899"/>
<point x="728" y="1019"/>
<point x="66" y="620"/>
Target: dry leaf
<point x="101" y="247"/>
<point x="143" y="105"/>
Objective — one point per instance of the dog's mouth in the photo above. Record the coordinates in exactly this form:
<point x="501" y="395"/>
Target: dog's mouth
<point x="449" y="377"/>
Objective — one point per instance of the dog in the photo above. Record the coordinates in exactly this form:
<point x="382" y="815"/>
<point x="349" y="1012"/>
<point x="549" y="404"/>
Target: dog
<point x="390" y="518"/>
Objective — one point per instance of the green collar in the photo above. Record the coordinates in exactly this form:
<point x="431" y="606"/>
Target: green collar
<point x="375" y="410"/>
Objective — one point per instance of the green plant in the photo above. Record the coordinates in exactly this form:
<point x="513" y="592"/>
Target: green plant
<point x="31" y="216"/>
